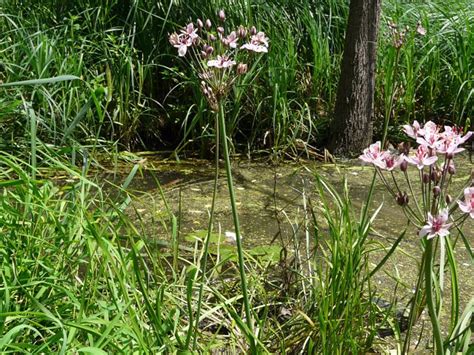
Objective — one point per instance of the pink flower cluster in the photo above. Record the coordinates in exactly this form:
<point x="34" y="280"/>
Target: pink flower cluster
<point x="429" y="135"/>
<point x="435" y="152"/>
<point x="258" y="43"/>
<point x="431" y="142"/>
<point x="215" y="53"/>
<point x="188" y="37"/>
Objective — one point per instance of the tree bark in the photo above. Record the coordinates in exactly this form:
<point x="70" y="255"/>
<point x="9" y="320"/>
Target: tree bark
<point x="352" y="127"/>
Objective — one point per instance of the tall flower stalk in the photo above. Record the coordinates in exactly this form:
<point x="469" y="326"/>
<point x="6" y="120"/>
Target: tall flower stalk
<point x="433" y="211"/>
<point x="219" y="57"/>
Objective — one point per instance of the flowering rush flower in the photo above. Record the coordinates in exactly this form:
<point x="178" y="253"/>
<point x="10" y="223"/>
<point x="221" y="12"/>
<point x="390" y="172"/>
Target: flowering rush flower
<point x="429" y="135"/>
<point x="231" y="40"/>
<point x="382" y="159"/>
<point x="185" y="39"/>
<point x="413" y="130"/>
<point x="422" y="157"/>
<point x="258" y="43"/>
<point x="391" y="161"/>
<point x="436" y="226"/>
<point x="372" y="154"/>
<point x="468" y="205"/>
<point x="221" y="62"/>
<point x="450" y="140"/>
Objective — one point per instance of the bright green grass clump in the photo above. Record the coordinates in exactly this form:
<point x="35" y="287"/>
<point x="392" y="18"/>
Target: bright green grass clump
<point x="75" y="274"/>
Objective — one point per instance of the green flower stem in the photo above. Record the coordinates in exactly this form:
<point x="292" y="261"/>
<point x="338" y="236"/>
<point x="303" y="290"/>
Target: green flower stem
<point x="430" y="299"/>
<point x="235" y="216"/>
<point x="414" y="309"/>
<point x="208" y="238"/>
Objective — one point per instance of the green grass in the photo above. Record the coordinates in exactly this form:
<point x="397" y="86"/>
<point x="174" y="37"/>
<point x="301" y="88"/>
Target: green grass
<point x="134" y="79"/>
<point x="79" y="270"/>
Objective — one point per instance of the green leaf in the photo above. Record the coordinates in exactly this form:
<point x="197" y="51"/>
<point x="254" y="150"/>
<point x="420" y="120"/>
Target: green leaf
<point x="55" y="79"/>
<point x="91" y="350"/>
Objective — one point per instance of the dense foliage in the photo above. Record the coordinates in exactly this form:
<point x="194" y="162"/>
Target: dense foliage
<point x="137" y="92"/>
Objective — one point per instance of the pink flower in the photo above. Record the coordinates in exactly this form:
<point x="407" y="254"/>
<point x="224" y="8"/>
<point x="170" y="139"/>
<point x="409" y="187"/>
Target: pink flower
<point x="185" y="39"/>
<point x="468" y="205"/>
<point x="450" y="140"/>
<point x="420" y="29"/>
<point x="422" y="157"/>
<point x="428" y="135"/>
<point x="174" y="39"/>
<point x="412" y="130"/>
<point x="231" y="40"/>
<point x="182" y="42"/>
<point x="373" y="154"/>
<point x="430" y="127"/>
<point x="390" y="161"/>
<point x="242" y="68"/>
<point x="436" y="225"/>
<point x="221" y="62"/>
<point x="258" y="43"/>
<point x="190" y="31"/>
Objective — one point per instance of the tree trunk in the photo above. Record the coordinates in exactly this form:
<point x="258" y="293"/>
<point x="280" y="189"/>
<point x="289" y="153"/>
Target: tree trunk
<point x="352" y="126"/>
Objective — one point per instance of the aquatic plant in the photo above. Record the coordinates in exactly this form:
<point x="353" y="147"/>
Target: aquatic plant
<point x="432" y="210"/>
<point x="213" y="53"/>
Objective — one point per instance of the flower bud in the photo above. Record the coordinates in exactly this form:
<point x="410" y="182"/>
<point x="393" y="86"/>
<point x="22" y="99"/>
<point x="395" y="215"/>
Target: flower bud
<point x="426" y="178"/>
<point x="204" y="54"/>
<point x="199" y="23"/>
<point x="208" y="24"/>
<point x="222" y="15"/>
<point x="220" y="29"/>
<point x="208" y="49"/>
<point x="242" y="32"/>
<point x="212" y="37"/>
<point x="204" y="88"/>
<point x="253" y="31"/>
<point x="404" y="165"/>
<point x="435" y="176"/>
<point x="400" y="199"/>
<point x="451" y="169"/>
<point x="436" y="191"/>
<point x="242" y="68"/>
<point x="448" y="199"/>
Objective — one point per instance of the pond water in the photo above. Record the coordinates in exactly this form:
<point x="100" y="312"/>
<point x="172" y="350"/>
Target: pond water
<point x="271" y="202"/>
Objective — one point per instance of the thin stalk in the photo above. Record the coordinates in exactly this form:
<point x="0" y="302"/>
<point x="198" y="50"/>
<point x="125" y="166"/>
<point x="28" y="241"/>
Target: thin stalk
<point x="415" y="199"/>
<point x="405" y="207"/>
<point x="235" y="217"/>
<point x="413" y="310"/>
<point x="430" y="299"/>
<point x="425" y="215"/>
<point x="208" y="237"/>
<point x="388" y="112"/>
